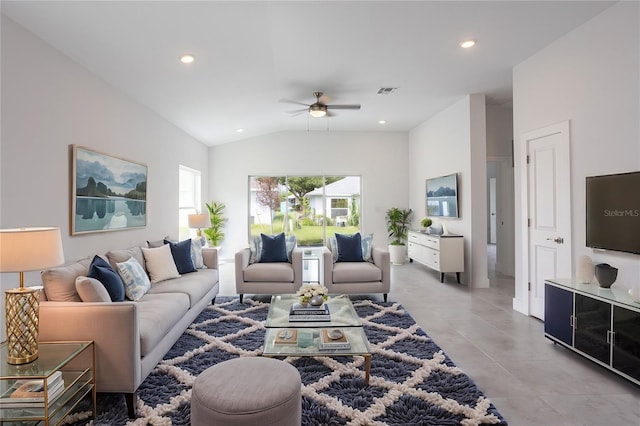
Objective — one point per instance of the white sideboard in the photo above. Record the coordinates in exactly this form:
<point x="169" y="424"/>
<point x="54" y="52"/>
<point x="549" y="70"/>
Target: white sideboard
<point x="443" y="253"/>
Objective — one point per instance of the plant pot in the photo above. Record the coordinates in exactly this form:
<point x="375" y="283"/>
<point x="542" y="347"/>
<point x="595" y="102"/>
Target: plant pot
<point x="397" y="254"/>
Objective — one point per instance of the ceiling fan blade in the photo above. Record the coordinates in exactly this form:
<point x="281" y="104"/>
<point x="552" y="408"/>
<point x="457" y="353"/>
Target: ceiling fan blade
<point x="297" y="112"/>
<point x="289" y="101"/>
<point x="324" y="99"/>
<point x="343" y="106"/>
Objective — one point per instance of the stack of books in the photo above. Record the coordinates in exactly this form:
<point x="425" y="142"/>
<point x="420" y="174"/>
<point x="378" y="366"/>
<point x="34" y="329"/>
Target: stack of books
<point x="301" y="312"/>
<point x="30" y="393"/>
<point x="333" y="339"/>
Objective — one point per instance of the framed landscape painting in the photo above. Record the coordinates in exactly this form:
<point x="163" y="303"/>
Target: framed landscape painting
<point x="108" y="193"/>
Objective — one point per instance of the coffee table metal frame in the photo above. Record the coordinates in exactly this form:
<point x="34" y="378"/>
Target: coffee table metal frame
<point x="343" y="316"/>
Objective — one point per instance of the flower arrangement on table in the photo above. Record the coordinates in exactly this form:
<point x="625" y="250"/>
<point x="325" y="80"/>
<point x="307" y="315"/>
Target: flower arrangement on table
<point x="312" y="291"/>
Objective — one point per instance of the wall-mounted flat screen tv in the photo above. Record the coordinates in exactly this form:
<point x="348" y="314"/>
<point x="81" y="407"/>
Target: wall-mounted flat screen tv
<point x="442" y="196"/>
<point x="613" y="212"/>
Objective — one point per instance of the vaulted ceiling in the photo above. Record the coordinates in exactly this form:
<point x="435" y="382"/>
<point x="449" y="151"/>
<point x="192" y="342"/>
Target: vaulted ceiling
<point x="250" y="56"/>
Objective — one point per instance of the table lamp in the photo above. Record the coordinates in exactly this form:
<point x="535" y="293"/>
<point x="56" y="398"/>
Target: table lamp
<point x="26" y="249"/>
<point x="200" y="220"/>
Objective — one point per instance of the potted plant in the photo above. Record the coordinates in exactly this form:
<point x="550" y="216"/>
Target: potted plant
<point x="426" y="222"/>
<point x="215" y="233"/>
<point x="398" y="221"/>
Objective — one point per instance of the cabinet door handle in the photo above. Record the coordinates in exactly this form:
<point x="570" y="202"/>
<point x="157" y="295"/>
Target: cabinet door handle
<point x="611" y="337"/>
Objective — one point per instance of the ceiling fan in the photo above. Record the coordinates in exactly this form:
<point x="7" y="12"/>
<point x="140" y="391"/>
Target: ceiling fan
<point x="320" y="107"/>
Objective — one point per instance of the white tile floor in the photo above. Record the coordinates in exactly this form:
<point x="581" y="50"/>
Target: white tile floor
<point x="530" y="380"/>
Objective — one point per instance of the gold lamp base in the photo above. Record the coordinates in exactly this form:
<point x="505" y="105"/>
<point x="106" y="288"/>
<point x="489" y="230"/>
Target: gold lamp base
<point x="22" y="324"/>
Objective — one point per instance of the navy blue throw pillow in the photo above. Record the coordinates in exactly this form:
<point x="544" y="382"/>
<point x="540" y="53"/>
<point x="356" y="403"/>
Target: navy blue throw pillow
<point x="103" y="272"/>
<point x="181" y="253"/>
<point x="349" y="248"/>
<point x="274" y="248"/>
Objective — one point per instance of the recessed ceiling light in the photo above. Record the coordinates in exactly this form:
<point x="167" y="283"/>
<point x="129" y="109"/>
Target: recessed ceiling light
<point x="382" y="121"/>
<point x="187" y="58"/>
<point x="467" y="44"/>
<point x="239" y="130"/>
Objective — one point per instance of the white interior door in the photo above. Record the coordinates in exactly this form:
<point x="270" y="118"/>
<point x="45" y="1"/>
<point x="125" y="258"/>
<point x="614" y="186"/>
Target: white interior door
<point x="549" y="210"/>
<point x="492" y="211"/>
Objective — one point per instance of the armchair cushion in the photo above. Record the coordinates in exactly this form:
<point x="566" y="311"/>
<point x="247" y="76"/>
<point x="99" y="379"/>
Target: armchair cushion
<point x="349" y="247"/>
<point x="354" y="272"/>
<point x="255" y="249"/>
<point x="367" y="245"/>
<point x="274" y="248"/>
<point x="269" y="272"/>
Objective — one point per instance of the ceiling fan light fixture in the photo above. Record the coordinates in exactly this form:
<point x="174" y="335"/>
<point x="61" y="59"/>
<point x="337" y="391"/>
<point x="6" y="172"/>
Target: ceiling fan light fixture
<point x="467" y="44"/>
<point x="187" y="58"/>
<point x="317" y="110"/>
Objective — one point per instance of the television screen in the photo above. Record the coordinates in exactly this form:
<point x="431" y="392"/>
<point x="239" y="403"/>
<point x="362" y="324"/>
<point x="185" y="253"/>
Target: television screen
<point x="613" y="212"/>
<point x="442" y="196"/>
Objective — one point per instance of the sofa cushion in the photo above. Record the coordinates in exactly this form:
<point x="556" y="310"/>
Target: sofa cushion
<point x="195" y="285"/>
<point x="122" y="255"/>
<point x="274" y="248"/>
<point x="157" y="315"/>
<point x="158" y="243"/>
<point x="101" y="270"/>
<point x="181" y="253"/>
<point x="135" y="279"/>
<point x="60" y="283"/>
<point x="91" y="290"/>
<point x="290" y="244"/>
<point x="356" y="272"/>
<point x="349" y="247"/>
<point x="160" y="263"/>
<point x="269" y="272"/>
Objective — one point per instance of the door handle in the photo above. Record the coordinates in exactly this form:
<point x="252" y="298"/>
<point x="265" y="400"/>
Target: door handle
<point x="557" y="240"/>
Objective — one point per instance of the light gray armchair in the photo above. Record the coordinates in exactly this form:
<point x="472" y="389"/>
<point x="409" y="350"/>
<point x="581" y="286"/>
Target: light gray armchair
<point x="268" y="278"/>
<point x="358" y="277"/>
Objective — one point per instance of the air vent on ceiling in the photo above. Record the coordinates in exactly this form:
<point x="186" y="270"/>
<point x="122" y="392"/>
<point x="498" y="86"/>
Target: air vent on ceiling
<point x="387" y="90"/>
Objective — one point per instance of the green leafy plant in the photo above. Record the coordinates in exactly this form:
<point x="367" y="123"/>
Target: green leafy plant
<point x="426" y="222"/>
<point x="398" y="221"/>
<point x="215" y="233"/>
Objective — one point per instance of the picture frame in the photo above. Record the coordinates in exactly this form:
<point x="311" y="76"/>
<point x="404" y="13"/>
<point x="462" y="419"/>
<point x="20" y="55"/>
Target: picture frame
<point x="108" y="193"/>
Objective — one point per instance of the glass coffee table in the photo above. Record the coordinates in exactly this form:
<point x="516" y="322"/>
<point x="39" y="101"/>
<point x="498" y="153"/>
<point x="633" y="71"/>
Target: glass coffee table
<point x="302" y="338"/>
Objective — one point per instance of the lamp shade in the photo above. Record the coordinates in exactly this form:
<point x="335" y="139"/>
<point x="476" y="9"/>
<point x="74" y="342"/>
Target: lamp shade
<point x="200" y="220"/>
<point x="30" y="249"/>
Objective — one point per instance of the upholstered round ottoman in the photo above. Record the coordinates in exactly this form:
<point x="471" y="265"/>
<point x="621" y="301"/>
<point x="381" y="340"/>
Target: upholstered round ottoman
<point x="247" y="391"/>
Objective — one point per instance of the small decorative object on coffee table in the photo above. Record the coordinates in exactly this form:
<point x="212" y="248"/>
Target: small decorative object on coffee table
<point x="313" y="294"/>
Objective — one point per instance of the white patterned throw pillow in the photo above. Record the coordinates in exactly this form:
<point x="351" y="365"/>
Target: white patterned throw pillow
<point x="136" y="282"/>
<point x="255" y="248"/>
<point x="196" y="253"/>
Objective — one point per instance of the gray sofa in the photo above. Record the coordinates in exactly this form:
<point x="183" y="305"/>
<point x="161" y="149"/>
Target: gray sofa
<point x="130" y="337"/>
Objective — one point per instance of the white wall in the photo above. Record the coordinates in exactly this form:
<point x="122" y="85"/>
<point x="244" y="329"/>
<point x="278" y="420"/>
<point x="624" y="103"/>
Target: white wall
<point x="590" y="77"/>
<point x="380" y="158"/>
<point x="50" y="102"/>
<point x="499" y="146"/>
<point x="454" y="141"/>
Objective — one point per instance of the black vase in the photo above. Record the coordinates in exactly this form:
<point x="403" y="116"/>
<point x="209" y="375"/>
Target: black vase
<point x="606" y="274"/>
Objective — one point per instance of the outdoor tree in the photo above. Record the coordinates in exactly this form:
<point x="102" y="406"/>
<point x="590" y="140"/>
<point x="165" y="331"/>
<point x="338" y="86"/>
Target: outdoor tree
<point x="268" y="195"/>
<point x="300" y="186"/>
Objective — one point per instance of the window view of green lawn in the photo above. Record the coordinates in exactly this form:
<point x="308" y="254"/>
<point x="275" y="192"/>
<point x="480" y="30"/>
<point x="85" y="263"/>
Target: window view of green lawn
<point x="312" y="208"/>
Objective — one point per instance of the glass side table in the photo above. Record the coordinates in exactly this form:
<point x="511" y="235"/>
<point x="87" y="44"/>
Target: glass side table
<point x="76" y="361"/>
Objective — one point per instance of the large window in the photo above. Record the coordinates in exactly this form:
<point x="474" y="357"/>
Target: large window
<point x="189" y="198"/>
<point x="310" y="207"/>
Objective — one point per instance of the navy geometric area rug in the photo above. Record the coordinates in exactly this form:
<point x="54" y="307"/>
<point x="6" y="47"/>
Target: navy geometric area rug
<point x="413" y="382"/>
